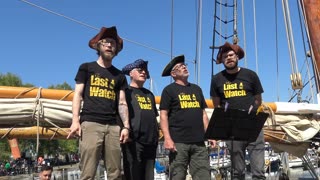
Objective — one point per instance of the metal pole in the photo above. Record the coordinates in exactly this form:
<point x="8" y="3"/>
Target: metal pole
<point x="198" y="49"/>
<point x="235" y="31"/>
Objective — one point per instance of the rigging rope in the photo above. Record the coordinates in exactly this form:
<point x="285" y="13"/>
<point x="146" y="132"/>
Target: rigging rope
<point x="255" y="35"/>
<point x="244" y="34"/>
<point x="286" y="26"/>
<point x="222" y="23"/>
<point x="291" y="38"/>
<point x="213" y="37"/>
<point x="92" y="27"/>
<point x="171" y="33"/>
<point x="296" y="81"/>
<point x="277" y="52"/>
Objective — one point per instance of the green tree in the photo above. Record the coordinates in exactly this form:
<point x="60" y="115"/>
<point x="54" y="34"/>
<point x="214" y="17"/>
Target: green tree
<point x="5" y="150"/>
<point x="10" y="79"/>
<point x="64" y="86"/>
<point x="66" y="146"/>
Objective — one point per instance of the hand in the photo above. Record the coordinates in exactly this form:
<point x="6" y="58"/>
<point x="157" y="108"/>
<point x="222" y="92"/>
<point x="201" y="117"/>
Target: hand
<point x="124" y="135"/>
<point x="74" y="128"/>
<point x="212" y="143"/>
<point x="169" y="145"/>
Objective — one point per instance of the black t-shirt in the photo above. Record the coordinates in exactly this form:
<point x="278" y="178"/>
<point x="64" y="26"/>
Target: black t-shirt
<point x="237" y="89"/>
<point x="143" y="115"/>
<point x="185" y="106"/>
<point x="101" y="92"/>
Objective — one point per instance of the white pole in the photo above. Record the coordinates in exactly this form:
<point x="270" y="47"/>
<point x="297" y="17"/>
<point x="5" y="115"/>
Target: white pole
<point x="198" y="48"/>
<point x="105" y="175"/>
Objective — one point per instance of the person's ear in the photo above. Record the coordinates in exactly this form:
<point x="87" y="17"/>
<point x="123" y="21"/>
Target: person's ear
<point x="173" y="74"/>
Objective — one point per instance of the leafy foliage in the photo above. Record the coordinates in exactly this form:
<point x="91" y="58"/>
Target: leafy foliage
<point x="10" y="79"/>
<point x="64" y="86"/>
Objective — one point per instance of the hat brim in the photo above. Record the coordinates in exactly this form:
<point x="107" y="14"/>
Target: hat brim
<point x="167" y="70"/>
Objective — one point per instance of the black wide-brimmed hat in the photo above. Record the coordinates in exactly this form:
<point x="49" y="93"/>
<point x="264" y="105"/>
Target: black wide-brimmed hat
<point x="107" y="33"/>
<point x="167" y="70"/>
<point x="226" y="47"/>
<point x="140" y="63"/>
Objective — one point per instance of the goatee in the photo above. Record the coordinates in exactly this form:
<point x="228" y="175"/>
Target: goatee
<point x="232" y="67"/>
<point x="107" y="57"/>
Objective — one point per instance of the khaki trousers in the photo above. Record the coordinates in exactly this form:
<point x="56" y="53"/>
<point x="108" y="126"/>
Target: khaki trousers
<point x="99" y="140"/>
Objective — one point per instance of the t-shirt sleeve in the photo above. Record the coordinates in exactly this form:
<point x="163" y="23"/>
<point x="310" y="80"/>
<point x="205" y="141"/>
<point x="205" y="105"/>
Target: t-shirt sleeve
<point x="154" y="105"/>
<point x="258" y="89"/>
<point x="165" y="100"/>
<point x="204" y="103"/>
<point x="82" y="73"/>
<point x="123" y="82"/>
<point x="213" y="87"/>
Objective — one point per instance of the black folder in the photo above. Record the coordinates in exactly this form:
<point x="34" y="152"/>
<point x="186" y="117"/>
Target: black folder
<point x="235" y="124"/>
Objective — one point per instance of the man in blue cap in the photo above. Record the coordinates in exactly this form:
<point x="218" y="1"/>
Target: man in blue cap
<point x="139" y="154"/>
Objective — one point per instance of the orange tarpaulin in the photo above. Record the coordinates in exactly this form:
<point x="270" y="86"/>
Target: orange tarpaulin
<point x="14" y="148"/>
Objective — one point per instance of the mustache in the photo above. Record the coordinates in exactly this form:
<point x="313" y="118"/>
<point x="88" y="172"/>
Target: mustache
<point x="232" y="67"/>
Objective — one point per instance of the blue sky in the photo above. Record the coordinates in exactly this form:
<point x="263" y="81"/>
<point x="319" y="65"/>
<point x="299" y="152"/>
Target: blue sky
<point x="45" y="49"/>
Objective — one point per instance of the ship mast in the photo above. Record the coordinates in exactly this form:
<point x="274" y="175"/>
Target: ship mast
<point x="312" y="19"/>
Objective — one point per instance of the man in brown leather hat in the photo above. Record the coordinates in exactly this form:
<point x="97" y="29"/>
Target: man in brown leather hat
<point x="101" y="87"/>
<point x="239" y="88"/>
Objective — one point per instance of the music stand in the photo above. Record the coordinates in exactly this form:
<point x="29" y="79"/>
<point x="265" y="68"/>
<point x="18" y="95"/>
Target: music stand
<point x="235" y="124"/>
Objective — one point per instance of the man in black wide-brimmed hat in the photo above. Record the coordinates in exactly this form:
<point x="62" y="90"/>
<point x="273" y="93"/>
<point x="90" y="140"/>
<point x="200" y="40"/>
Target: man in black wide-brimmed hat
<point x="183" y="121"/>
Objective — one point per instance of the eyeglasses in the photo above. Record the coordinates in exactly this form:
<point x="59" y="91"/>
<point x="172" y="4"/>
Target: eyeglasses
<point x="231" y="54"/>
<point x="139" y="70"/>
<point x="105" y="42"/>
<point x="179" y="66"/>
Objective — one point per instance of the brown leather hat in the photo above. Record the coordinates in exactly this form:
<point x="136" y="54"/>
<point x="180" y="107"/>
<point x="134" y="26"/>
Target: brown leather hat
<point x="104" y="33"/>
<point x="226" y="47"/>
<point x="167" y="70"/>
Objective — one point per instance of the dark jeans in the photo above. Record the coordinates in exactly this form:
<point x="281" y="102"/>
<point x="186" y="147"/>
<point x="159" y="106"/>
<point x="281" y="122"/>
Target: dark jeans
<point x="138" y="161"/>
<point x="194" y="155"/>
<point x="256" y="157"/>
